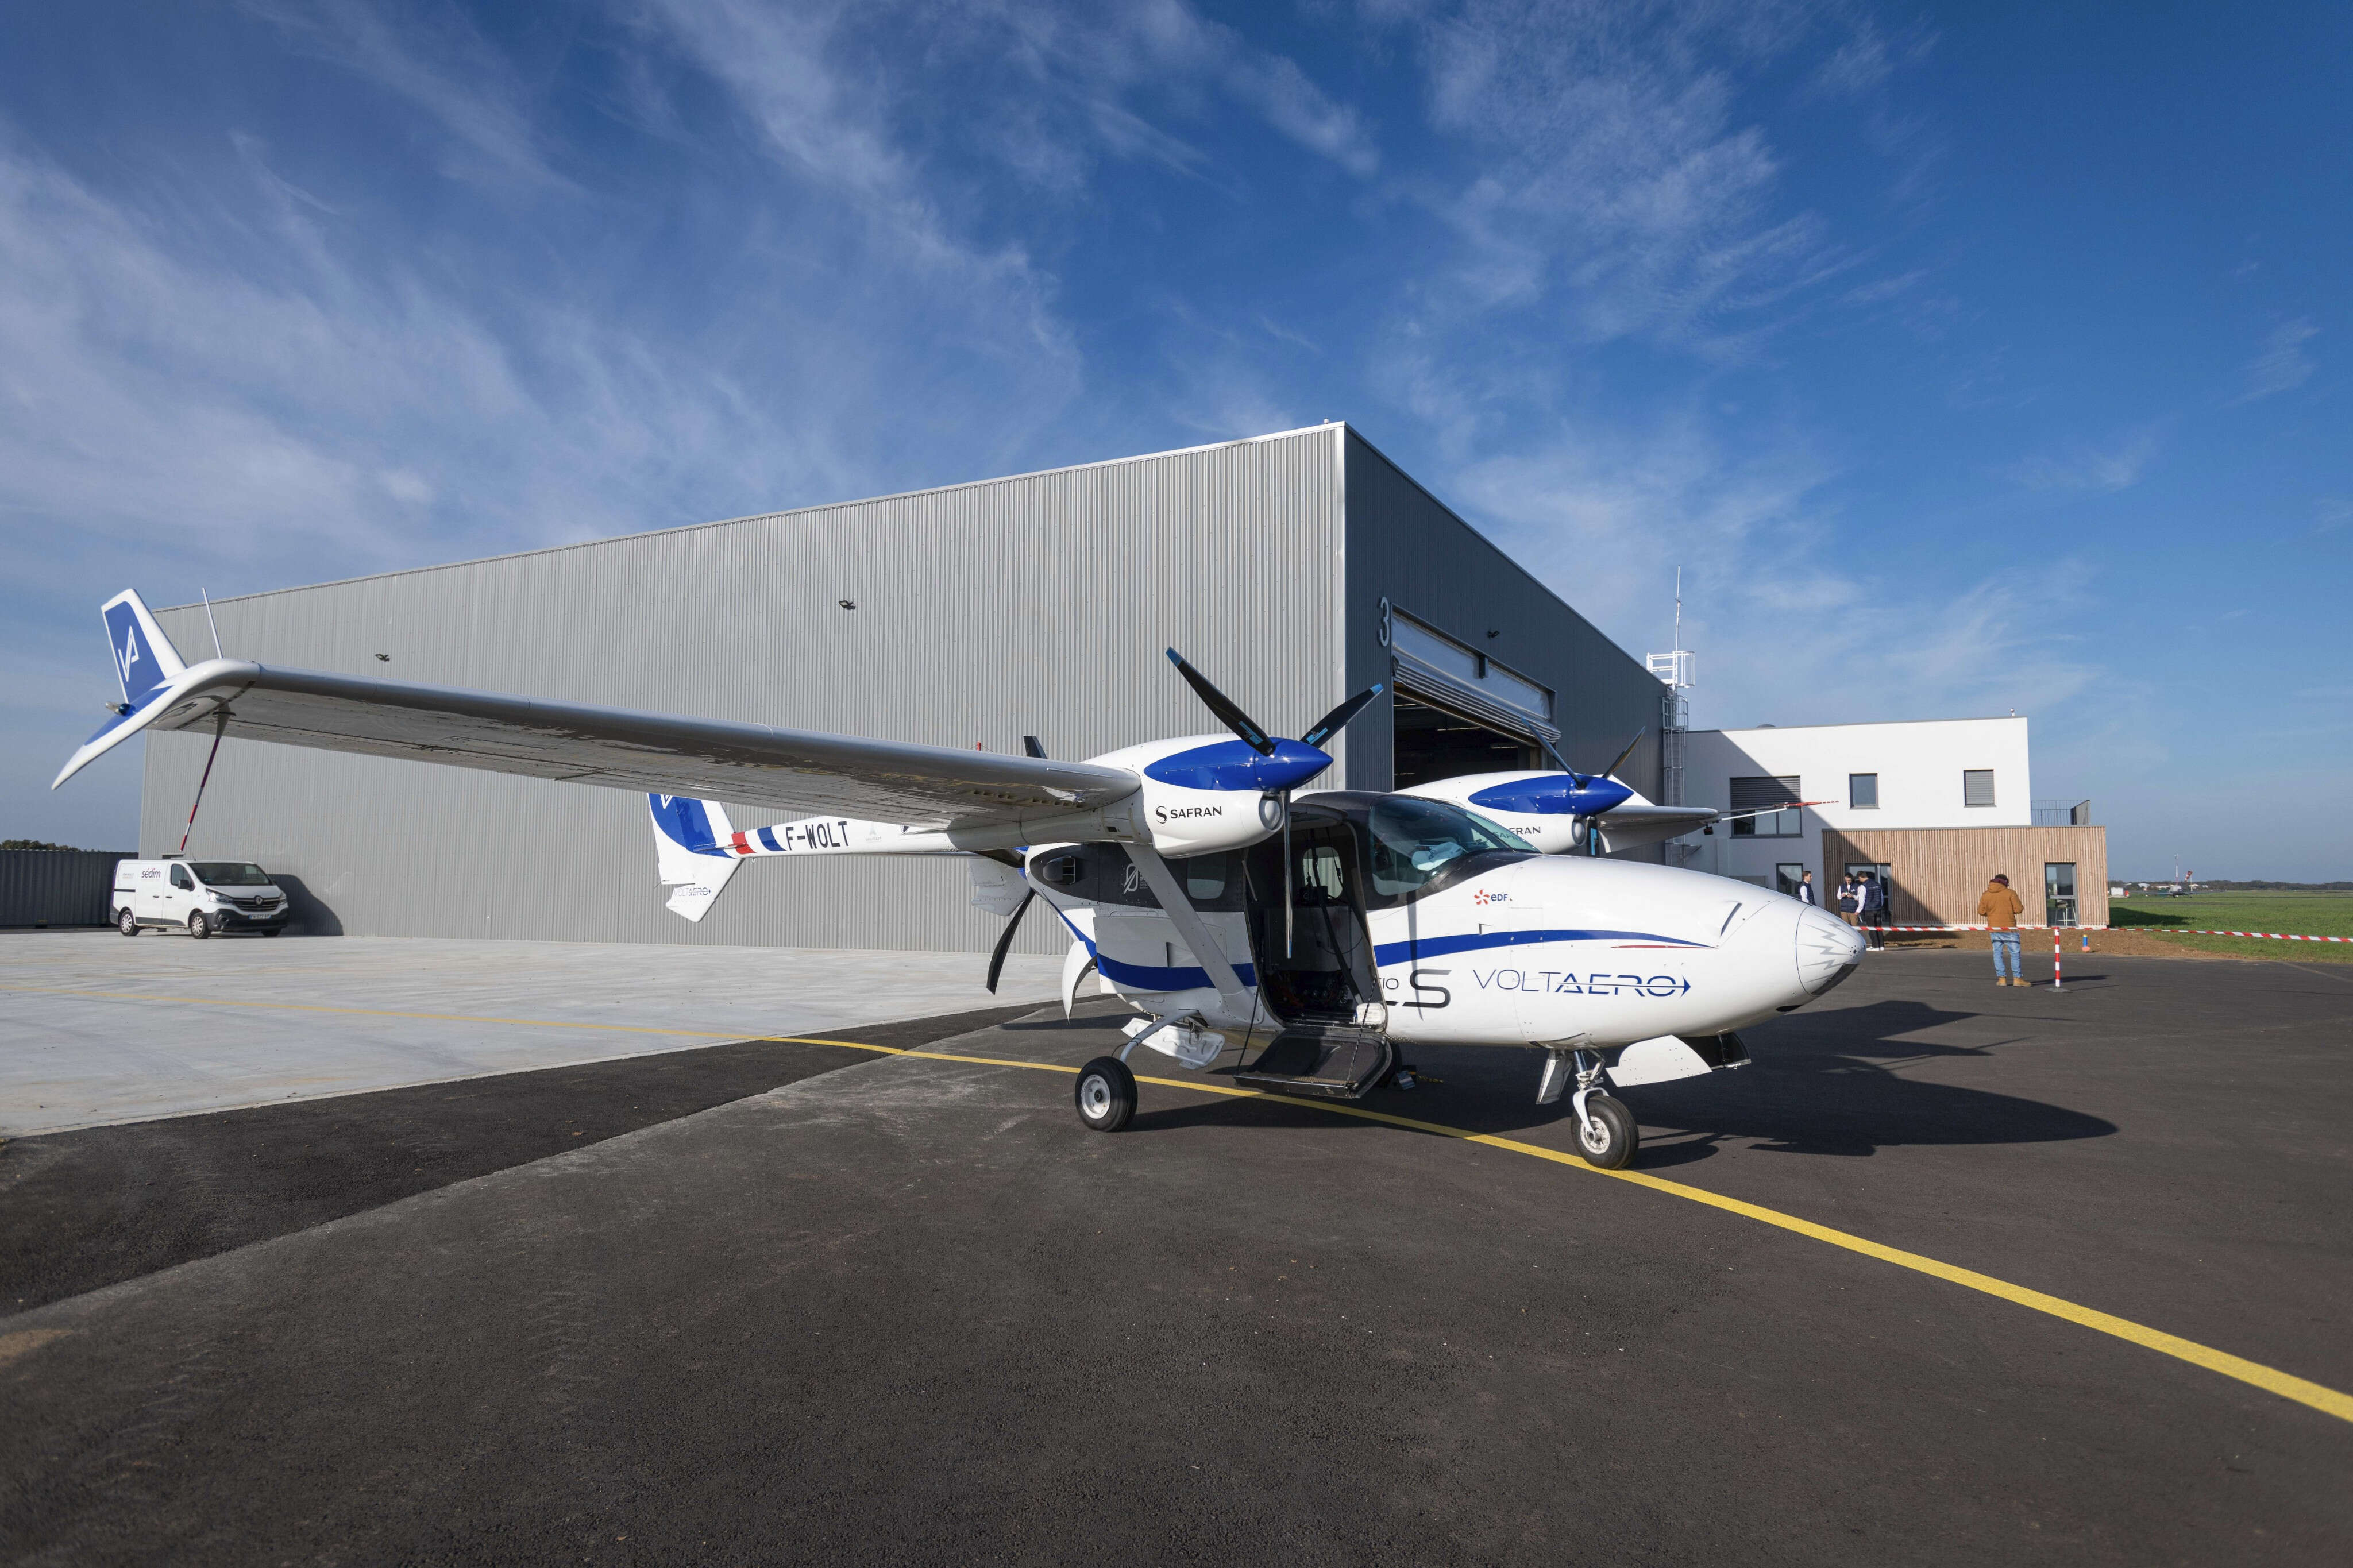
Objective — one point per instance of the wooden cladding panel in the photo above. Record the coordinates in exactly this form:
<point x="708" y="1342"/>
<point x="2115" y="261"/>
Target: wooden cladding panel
<point x="1936" y="874"/>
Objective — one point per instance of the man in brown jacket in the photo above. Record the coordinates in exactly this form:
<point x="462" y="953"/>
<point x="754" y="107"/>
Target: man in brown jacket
<point x="2000" y="909"/>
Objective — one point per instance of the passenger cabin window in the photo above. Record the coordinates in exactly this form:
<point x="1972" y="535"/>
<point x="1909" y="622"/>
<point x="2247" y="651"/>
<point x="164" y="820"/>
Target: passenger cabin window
<point x="1204" y="878"/>
<point x="1863" y="792"/>
<point x="1415" y="842"/>
<point x="1977" y="787"/>
<point x="180" y="878"/>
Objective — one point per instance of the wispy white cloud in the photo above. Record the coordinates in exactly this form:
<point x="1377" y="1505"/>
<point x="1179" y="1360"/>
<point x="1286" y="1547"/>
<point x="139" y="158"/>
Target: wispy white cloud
<point x="439" y="64"/>
<point x="2115" y="467"/>
<point x="1605" y="513"/>
<point x="2283" y="365"/>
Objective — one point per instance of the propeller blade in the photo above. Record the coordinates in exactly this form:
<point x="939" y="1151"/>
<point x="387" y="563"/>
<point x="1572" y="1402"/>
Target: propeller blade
<point x="1577" y="779"/>
<point x="1335" y="721"/>
<point x="1223" y="705"/>
<point x="1627" y="752"/>
<point x="1004" y="943"/>
<point x="1033" y="746"/>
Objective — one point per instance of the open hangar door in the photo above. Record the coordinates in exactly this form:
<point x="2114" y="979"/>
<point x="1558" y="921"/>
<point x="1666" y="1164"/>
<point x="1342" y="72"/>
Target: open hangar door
<point x="1457" y="710"/>
<point x="1433" y="743"/>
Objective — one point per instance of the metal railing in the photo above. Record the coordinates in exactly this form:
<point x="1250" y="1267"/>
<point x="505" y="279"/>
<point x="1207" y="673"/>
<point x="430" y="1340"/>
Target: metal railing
<point x="2062" y="812"/>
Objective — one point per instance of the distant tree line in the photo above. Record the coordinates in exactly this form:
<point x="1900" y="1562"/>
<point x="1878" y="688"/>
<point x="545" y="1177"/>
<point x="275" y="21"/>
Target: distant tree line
<point x="35" y="844"/>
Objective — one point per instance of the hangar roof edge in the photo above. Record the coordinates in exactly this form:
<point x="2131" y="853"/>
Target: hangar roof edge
<point x="1339" y="424"/>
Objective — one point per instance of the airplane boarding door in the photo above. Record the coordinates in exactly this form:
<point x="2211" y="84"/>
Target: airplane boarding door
<point x="1322" y="969"/>
<point x="1316" y="972"/>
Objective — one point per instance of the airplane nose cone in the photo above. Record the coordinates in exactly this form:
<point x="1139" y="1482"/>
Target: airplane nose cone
<point x="1828" y="951"/>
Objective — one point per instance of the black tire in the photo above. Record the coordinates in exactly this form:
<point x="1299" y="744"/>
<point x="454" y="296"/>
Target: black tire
<point x="126" y="922"/>
<point x="199" y="927"/>
<point x="1105" y="1094"/>
<point x="1615" y="1148"/>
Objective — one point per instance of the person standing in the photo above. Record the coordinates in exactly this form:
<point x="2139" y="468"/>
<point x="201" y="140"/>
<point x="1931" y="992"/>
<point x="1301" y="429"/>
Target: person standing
<point x="1850" y="900"/>
<point x="2000" y="908"/>
<point x="1872" y="894"/>
<point x="1806" y="894"/>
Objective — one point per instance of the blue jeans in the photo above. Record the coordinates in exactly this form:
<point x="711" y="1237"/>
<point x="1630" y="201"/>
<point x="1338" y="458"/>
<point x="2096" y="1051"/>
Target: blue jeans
<point x="2005" y="950"/>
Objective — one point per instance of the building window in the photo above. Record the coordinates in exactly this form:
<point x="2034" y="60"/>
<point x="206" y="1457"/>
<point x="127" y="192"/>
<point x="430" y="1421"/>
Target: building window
<point x="1786" y="876"/>
<point x="1754" y="804"/>
<point x="1977" y="787"/>
<point x="2059" y="892"/>
<point x="1863" y="792"/>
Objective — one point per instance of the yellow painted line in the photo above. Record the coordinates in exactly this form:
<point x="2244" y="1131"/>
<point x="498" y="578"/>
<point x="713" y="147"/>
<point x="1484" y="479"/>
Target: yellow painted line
<point x="2271" y="1380"/>
<point x="2318" y="1397"/>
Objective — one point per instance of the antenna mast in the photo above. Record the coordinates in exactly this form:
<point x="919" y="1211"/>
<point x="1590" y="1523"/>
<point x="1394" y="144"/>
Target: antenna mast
<point x="1675" y="670"/>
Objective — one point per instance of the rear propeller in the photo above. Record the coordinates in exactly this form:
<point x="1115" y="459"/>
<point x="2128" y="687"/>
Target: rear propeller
<point x="1031" y="746"/>
<point x="1229" y="713"/>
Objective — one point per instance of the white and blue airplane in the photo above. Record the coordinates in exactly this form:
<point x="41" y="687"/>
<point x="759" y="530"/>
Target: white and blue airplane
<point x="1315" y="936"/>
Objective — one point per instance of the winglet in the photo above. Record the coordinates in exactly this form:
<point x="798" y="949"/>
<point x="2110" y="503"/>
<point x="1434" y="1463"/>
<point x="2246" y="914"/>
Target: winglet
<point x="148" y="670"/>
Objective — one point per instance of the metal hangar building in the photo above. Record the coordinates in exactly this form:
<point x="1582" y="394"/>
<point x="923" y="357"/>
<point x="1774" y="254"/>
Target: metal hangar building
<point x="1294" y="569"/>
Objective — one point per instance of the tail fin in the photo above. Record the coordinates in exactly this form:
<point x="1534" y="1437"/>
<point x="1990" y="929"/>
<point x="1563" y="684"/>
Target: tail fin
<point x="144" y="658"/>
<point x="690" y="851"/>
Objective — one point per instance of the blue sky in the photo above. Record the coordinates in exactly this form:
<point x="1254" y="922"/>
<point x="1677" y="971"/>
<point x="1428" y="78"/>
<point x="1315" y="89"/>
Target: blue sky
<point x="1967" y="359"/>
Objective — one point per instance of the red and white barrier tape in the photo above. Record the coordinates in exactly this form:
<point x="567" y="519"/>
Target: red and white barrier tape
<point x="2161" y="931"/>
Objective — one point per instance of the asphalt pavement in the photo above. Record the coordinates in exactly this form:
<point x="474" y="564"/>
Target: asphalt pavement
<point x="906" y="1309"/>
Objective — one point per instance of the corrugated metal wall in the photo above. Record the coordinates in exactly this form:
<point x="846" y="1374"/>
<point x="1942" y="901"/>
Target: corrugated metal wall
<point x="59" y="887"/>
<point x="1038" y="604"/>
<point x="1405" y="546"/>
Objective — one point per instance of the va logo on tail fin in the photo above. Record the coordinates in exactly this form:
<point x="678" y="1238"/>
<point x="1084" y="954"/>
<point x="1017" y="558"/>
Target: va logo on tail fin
<point x="686" y="822"/>
<point x="145" y="660"/>
<point x="135" y="664"/>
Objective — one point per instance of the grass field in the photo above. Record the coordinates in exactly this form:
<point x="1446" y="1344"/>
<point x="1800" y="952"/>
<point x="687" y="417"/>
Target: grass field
<point x="2307" y="914"/>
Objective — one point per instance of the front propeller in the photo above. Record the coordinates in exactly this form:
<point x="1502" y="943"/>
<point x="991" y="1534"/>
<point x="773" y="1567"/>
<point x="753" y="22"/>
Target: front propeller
<point x="1286" y="764"/>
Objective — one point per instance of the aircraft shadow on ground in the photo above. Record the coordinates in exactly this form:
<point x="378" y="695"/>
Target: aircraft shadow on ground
<point x="1833" y="1084"/>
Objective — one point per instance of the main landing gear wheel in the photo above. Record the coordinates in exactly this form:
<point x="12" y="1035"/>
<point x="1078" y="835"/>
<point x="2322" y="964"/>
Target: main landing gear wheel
<point x="127" y="923"/>
<point x="1106" y="1094"/>
<point x="199" y="927"/>
<point x="1607" y="1136"/>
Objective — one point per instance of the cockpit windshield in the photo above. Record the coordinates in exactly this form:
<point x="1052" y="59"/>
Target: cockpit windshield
<point x="230" y="873"/>
<point x="1415" y="840"/>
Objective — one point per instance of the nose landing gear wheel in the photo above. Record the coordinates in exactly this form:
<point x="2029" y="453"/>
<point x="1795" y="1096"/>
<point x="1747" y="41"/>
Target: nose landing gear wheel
<point x="1607" y="1137"/>
<point x="1105" y="1094"/>
<point x="127" y="923"/>
<point x="199" y="927"/>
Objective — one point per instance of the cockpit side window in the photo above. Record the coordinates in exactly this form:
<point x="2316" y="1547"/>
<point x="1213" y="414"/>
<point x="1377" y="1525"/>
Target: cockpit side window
<point x="1415" y="844"/>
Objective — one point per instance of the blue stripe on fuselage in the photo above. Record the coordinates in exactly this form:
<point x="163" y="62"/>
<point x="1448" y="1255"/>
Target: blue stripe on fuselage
<point x="1151" y="979"/>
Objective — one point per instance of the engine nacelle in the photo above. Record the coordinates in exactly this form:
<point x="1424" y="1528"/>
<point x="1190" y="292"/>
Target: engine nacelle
<point x="1183" y="822"/>
<point x="1205" y="793"/>
<point x="1555" y="830"/>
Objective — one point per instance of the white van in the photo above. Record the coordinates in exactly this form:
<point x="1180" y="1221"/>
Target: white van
<point x="199" y="897"/>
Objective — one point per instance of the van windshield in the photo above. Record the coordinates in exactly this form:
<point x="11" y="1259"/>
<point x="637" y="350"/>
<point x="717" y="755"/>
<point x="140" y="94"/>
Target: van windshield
<point x="230" y="873"/>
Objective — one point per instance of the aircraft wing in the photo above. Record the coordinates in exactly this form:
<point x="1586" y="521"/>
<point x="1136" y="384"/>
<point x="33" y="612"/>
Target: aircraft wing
<point x="774" y="769"/>
<point x="1635" y="821"/>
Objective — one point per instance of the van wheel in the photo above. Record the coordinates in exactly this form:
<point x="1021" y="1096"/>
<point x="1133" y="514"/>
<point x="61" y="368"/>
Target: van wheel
<point x="199" y="927"/>
<point x="127" y="923"/>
